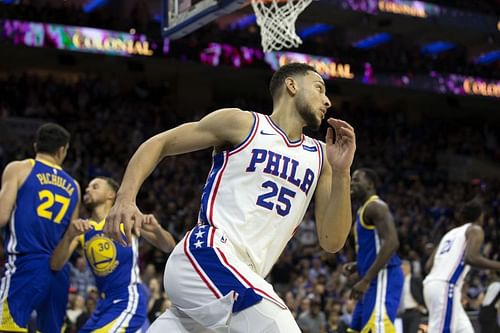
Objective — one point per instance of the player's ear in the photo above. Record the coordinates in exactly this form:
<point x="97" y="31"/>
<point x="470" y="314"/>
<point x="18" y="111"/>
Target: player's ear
<point x="291" y="86"/>
<point x="35" y="147"/>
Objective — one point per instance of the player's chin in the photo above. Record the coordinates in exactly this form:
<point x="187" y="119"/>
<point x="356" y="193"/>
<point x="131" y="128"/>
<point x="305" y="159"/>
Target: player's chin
<point x="315" y="123"/>
<point x="89" y="203"/>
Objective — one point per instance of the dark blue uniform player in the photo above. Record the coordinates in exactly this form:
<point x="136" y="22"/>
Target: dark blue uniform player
<point x="37" y="201"/>
<point x="122" y="306"/>
<point x="378" y="290"/>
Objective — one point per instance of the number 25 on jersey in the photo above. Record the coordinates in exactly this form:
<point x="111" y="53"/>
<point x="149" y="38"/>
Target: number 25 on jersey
<point x="284" y="195"/>
<point x="46" y="209"/>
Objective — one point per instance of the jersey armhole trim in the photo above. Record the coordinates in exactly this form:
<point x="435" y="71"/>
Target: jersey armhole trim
<point x="362" y="213"/>
<point x="81" y="240"/>
<point x="21" y="185"/>
<point x="249" y="137"/>
<point x="321" y="156"/>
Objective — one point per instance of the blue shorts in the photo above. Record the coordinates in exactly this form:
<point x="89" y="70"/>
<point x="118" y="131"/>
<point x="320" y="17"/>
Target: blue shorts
<point x="377" y="310"/>
<point x="29" y="284"/>
<point x="122" y="311"/>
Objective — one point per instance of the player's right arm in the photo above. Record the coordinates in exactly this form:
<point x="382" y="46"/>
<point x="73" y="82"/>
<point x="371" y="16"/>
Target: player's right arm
<point x="68" y="244"/>
<point x="14" y="175"/>
<point x="222" y="128"/>
<point x="475" y="238"/>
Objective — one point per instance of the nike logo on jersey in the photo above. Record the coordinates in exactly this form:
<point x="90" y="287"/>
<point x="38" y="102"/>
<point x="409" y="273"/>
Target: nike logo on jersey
<point x="265" y="133"/>
<point x="117" y="301"/>
<point x="310" y="148"/>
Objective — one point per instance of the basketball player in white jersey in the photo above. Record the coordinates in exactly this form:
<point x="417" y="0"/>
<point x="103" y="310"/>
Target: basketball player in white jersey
<point x="264" y="174"/>
<point x="457" y="251"/>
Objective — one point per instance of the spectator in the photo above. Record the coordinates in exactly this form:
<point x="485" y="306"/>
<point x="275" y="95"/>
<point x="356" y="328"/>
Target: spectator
<point x="313" y="320"/>
<point x="81" y="276"/>
<point x="412" y="304"/>
<point x="489" y="314"/>
<point x="156" y="299"/>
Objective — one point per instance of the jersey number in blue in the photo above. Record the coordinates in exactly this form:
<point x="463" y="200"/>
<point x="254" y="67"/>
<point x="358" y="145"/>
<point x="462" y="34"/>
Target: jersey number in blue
<point x="446" y="246"/>
<point x="284" y="195"/>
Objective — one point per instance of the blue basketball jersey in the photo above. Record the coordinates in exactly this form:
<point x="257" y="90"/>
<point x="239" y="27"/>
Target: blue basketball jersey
<point x="43" y="210"/>
<point x="368" y="242"/>
<point x="114" y="266"/>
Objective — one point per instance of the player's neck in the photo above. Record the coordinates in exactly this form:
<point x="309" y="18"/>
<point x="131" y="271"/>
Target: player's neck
<point x="368" y="196"/>
<point x="100" y="212"/>
<point x="288" y="121"/>
<point x="48" y="158"/>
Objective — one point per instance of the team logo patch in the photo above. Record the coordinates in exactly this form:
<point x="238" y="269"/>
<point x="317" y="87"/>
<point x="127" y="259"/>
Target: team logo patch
<point x="309" y="148"/>
<point x="101" y="254"/>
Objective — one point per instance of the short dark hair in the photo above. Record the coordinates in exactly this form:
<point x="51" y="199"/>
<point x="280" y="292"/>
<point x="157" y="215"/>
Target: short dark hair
<point x="471" y="210"/>
<point x="285" y="71"/>
<point x="50" y="137"/>
<point x="111" y="183"/>
<point x="371" y="175"/>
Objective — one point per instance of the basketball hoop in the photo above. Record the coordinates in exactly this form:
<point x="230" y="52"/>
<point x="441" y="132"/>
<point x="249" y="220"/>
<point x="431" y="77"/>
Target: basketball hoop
<point x="276" y="19"/>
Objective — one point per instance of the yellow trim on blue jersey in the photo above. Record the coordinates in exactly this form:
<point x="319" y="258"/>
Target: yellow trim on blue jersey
<point x="107" y="328"/>
<point x="386" y="322"/>
<point x="41" y="160"/>
<point x="32" y="162"/>
<point x="81" y="240"/>
<point x="7" y="322"/>
<point x="361" y="212"/>
<point x="98" y="226"/>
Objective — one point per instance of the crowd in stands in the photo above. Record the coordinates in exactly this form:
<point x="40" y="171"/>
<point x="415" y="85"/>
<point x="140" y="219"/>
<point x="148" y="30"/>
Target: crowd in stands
<point x="108" y="122"/>
<point x="399" y="55"/>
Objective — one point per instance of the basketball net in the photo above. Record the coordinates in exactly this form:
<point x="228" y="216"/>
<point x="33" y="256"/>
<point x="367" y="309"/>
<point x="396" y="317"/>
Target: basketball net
<point x="276" y="19"/>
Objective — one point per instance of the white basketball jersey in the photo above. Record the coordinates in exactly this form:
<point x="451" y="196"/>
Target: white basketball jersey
<point x="258" y="192"/>
<point x="449" y="262"/>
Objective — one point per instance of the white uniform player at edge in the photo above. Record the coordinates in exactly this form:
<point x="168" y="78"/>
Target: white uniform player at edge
<point x="264" y="174"/>
<point x="459" y="249"/>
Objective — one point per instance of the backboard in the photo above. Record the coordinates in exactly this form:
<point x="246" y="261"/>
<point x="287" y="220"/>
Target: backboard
<point x="181" y="17"/>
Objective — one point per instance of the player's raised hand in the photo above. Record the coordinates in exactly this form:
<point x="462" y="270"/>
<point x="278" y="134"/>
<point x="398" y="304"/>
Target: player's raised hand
<point x="340" y="145"/>
<point x="130" y="216"/>
<point x="78" y="227"/>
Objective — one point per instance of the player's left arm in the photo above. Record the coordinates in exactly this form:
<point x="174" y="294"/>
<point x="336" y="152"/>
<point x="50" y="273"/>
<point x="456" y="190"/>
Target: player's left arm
<point x="152" y="231"/>
<point x="68" y="243"/>
<point x="14" y="175"/>
<point x="377" y="213"/>
<point x="71" y="238"/>
<point x="333" y="193"/>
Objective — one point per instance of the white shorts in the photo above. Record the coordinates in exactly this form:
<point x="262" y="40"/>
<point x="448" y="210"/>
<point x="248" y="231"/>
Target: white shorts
<point x="212" y="290"/>
<point x="446" y="313"/>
